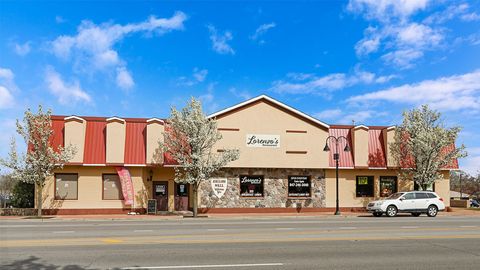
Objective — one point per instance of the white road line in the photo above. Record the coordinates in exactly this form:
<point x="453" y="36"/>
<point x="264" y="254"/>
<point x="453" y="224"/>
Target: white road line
<point x="63" y="232"/>
<point x="468" y="226"/>
<point x="348" y="228"/>
<point x="143" y="231"/>
<point x="409" y="227"/>
<point x="215" y="230"/>
<point x="284" y="229"/>
<point x="205" y="266"/>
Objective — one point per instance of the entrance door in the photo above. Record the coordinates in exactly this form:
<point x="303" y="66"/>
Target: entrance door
<point x="160" y="193"/>
<point x="181" y="197"/>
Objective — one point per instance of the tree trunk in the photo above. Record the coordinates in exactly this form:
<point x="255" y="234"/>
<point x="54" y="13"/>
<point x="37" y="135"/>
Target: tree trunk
<point x="195" y="200"/>
<point x="424" y="186"/>
<point x="39" y="199"/>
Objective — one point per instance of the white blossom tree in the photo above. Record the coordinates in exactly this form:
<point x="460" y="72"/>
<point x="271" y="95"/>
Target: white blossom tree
<point x="40" y="160"/>
<point x="423" y="146"/>
<point x="189" y="139"/>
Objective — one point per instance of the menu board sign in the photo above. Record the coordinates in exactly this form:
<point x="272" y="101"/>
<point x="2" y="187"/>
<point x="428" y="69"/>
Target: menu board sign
<point x="152" y="206"/>
<point x="299" y="186"/>
<point x="251" y="185"/>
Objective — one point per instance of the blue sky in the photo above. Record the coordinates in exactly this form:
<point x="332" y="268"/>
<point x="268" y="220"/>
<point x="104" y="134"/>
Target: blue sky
<point x="361" y="60"/>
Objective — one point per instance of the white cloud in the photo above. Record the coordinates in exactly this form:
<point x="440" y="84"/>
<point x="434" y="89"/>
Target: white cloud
<point x="261" y="30"/>
<point x="245" y="95"/>
<point x="402" y="41"/>
<point x="418" y="36"/>
<point x="339" y="116"/>
<point x="387" y="10"/>
<point x="208" y="99"/>
<point x="470" y="17"/>
<point x="59" y="19"/>
<point x="403" y="58"/>
<point x="198" y="76"/>
<point x="7" y="85"/>
<point x="451" y="12"/>
<point x="471" y="164"/>
<point x="124" y="78"/>
<point x="22" y="49"/>
<point x="6" y="98"/>
<point x="328" y="114"/>
<point x="65" y="92"/>
<point x="301" y="83"/>
<point x="220" y="41"/>
<point x="92" y="47"/>
<point x="356" y="118"/>
<point x="458" y="92"/>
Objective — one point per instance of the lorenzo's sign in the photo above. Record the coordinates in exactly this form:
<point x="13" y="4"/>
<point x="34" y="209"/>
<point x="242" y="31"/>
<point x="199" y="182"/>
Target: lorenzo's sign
<point x="219" y="186"/>
<point x="262" y="140"/>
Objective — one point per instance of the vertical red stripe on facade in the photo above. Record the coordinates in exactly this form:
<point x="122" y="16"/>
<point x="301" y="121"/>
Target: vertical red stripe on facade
<point x="376" y="149"/>
<point x="346" y="158"/>
<point x="56" y="139"/>
<point x="135" y="143"/>
<point x="95" y="143"/>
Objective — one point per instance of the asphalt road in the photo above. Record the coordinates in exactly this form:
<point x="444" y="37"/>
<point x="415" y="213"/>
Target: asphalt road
<point x="444" y="242"/>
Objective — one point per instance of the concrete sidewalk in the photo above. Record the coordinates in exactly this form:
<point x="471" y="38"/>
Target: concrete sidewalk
<point x="453" y="212"/>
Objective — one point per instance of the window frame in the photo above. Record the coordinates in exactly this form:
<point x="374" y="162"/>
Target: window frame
<point x="55" y="187"/>
<point x="103" y="187"/>
<point x="309" y="177"/>
<point x="252" y="197"/>
<point x="372" y="194"/>
<point x="380" y="185"/>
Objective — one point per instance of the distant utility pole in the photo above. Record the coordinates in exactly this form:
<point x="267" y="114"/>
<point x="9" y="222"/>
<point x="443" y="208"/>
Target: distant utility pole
<point x="461" y="186"/>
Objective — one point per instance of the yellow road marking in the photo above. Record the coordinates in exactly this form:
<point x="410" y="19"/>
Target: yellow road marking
<point x="236" y="238"/>
<point x="112" y="241"/>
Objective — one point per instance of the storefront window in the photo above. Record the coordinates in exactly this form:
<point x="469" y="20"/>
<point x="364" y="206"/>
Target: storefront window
<point x="112" y="189"/>
<point x="388" y="185"/>
<point x="364" y="186"/>
<point x="251" y="185"/>
<point x="66" y="186"/>
<point x="299" y="186"/>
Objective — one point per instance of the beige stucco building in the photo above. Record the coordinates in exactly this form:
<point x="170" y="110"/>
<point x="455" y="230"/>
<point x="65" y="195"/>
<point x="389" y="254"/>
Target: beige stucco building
<point x="282" y="166"/>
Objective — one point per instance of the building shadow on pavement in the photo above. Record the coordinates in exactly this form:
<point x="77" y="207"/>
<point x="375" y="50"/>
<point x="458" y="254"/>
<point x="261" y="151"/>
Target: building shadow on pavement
<point x="36" y="263"/>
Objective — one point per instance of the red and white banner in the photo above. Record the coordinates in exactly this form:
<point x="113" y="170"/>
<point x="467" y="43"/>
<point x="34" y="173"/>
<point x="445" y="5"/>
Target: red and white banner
<point x="127" y="184"/>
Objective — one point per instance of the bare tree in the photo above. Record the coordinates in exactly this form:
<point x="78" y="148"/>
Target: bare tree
<point x="41" y="159"/>
<point x="189" y="139"/>
<point x="423" y="146"/>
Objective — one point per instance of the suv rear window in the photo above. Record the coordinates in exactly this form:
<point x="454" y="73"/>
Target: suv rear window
<point x="431" y="195"/>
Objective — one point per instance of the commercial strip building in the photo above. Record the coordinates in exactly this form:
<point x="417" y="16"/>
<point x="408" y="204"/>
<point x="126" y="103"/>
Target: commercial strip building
<point x="282" y="165"/>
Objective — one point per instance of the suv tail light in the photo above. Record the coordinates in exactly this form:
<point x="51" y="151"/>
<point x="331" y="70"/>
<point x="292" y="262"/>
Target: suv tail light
<point x="441" y="199"/>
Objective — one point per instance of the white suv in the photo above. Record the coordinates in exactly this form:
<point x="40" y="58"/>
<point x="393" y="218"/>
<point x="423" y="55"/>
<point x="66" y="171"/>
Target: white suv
<point x="414" y="202"/>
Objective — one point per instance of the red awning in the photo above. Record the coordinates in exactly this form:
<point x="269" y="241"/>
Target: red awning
<point x="135" y="143"/>
<point x="95" y="143"/>
<point x="346" y="158"/>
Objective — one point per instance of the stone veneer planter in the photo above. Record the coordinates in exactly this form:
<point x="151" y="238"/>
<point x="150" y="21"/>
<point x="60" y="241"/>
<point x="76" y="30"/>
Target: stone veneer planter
<point x="275" y="190"/>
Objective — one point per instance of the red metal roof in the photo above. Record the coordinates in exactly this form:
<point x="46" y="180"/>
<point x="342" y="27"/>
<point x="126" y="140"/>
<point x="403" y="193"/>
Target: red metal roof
<point x="95" y="143"/>
<point x="56" y="139"/>
<point x="376" y="149"/>
<point x="454" y="163"/>
<point x="346" y="158"/>
<point x="135" y="147"/>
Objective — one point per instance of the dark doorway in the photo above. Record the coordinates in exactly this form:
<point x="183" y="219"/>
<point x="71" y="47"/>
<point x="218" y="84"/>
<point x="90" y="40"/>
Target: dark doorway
<point x="160" y="193"/>
<point x="181" y="197"/>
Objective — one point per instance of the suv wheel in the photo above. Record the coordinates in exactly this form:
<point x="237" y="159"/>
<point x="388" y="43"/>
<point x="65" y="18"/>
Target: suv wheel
<point x="415" y="214"/>
<point x="432" y="210"/>
<point x="391" y="211"/>
<point x="377" y="214"/>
